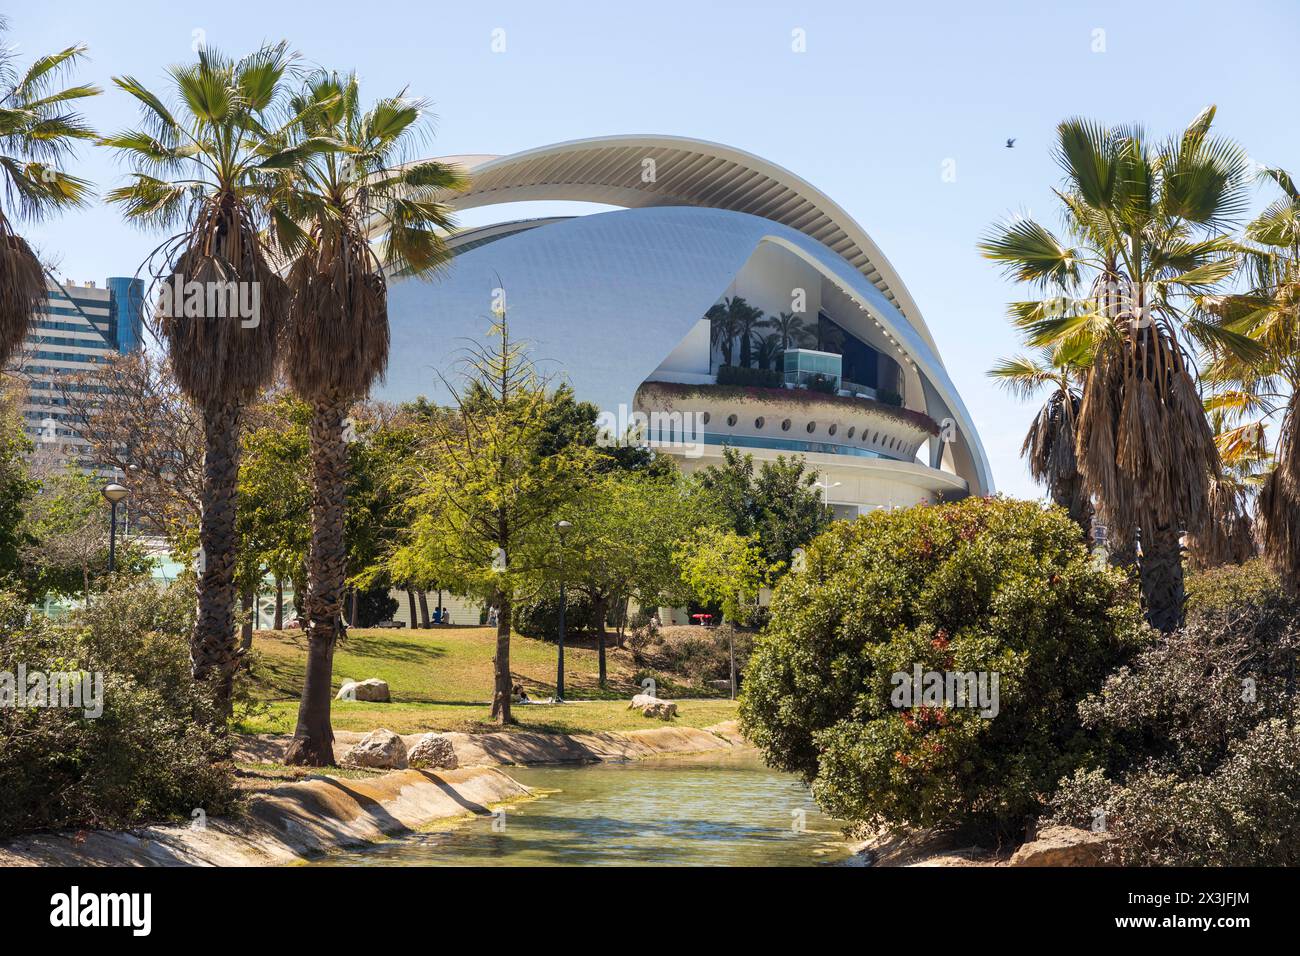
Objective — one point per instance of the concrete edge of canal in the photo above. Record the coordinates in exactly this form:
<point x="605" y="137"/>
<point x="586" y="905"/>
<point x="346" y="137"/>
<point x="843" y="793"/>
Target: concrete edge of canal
<point x="300" y="820"/>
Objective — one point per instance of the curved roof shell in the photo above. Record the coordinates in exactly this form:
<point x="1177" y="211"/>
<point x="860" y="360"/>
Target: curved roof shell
<point x="636" y="171"/>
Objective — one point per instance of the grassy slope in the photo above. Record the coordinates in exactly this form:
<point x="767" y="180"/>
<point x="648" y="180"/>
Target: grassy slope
<point x="441" y="679"/>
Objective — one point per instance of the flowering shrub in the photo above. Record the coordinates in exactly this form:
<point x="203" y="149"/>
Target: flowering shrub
<point x="984" y="586"/>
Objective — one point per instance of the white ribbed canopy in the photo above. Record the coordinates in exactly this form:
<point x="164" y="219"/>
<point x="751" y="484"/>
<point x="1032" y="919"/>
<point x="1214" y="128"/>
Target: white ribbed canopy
<point x="639" y="171"/>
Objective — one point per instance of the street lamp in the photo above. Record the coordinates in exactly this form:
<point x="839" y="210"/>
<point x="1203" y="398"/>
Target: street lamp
<point x="114" y="493"/>
<point x="562" y="529"/>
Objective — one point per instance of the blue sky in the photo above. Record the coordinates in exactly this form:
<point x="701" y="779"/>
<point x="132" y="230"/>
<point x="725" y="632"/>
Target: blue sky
<point x="884" y="94"/>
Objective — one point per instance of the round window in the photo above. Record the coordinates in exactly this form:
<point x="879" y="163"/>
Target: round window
<point x="849" y="434"/>
<point x="731" y="421"/>
<point x="812" y="427"/>
<point x="831" y="430"/>
<point x="705" y="418"/>
<point x="785" y="425"/>
<point x="758" y="422"/>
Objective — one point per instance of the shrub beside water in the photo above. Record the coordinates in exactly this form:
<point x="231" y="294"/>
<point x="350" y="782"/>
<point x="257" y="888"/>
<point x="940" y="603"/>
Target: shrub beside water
<point x="1197" y="756"/>
<point x="983" y="585"/>
<point x="150" y="755"/>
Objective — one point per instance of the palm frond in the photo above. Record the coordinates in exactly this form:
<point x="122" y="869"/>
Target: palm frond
<point x="1031" y="253"/>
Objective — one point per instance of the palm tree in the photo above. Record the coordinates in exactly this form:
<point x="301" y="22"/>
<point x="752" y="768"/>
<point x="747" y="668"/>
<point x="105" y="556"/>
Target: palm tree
<point x="1267" y="389"/>
<point x="830" y="338"/>
<point x="747" y="319"/>
<point x="38" y="130"/>
<point x="1049" y="446"/>
<point x="722" y="329"/>
<point x="202" y="168"/>
<point x="769" y="351"/>
<point x="338" y="336"/>
<point x="791" y="329"/>
<point x="1228" y="535"/>
<point x="1148" y="227"/>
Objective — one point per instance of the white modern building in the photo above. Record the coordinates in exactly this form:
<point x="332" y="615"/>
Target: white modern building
<point x="616" y="302"/>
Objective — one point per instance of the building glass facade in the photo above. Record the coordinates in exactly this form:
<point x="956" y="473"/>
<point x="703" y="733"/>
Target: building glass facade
<point x="76" y="328"/>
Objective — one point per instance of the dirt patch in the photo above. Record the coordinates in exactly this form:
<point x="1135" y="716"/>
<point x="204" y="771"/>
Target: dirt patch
<point x="925" y="848"/>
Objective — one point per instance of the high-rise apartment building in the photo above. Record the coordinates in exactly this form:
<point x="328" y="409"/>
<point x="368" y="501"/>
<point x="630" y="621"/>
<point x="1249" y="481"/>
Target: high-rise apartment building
<point x="77" y="328"/>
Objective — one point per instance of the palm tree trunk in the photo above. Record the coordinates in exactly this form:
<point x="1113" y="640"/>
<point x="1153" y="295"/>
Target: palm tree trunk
<point x="1161" y="574"/>
<point x="502" y="685"/>
<point x="313" y="738"/>
<point x="214" y="653"/>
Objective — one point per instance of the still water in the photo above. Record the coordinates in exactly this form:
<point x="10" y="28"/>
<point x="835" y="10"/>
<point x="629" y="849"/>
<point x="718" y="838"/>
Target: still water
<point x="680" y="811"/>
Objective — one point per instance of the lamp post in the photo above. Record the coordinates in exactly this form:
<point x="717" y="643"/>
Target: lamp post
<point x="114" y="493"/>
<point x="562" y="529"/>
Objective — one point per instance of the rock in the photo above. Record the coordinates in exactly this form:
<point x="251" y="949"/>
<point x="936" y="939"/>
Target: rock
<point x="381" y="749"/>
<point x="372" y="689"/>
<point x="1064" y="846"/>
<point x="653" y="707"/>
<point x="434" y="751"/>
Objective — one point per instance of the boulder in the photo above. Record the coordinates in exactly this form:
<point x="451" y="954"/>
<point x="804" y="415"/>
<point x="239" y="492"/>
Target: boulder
<point x="381" y="749"/>
<point x="1064" y="846"/>
<point x="371" y="689"/>
<point x="653" y="707"/>
<point x="434" y="751"/>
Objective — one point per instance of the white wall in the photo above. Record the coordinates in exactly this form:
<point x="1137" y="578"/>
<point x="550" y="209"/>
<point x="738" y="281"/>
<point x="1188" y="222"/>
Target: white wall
<point x="691" y="356"/>
<point x="770" y="278"/>
<point x="463" y="610"/>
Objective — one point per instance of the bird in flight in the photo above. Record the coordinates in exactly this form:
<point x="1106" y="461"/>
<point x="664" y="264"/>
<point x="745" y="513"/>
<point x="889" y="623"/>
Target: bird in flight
<point x="1011" y="143"/>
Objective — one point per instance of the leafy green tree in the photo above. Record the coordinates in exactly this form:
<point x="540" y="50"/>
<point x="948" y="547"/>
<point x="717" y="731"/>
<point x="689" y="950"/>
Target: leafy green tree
<point x="66" y="531"/>
<point x="721" y="567"/>
<point x="391" y="478"/>
<point x="275" y="497"/>
<point x="571" y="422"/>
<point x="626" y="527"/>
<point x="782" y="504"/>
<point x="724" y="568"/>
<point x="16" y="487"/>
<point x="487" y="494"/>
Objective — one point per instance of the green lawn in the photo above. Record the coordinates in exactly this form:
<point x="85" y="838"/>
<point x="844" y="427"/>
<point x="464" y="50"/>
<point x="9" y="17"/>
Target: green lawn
<point x="441" y="679"/>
